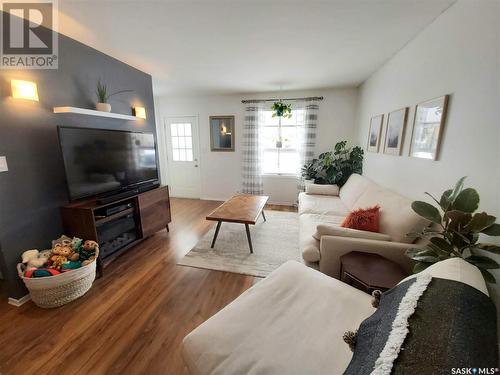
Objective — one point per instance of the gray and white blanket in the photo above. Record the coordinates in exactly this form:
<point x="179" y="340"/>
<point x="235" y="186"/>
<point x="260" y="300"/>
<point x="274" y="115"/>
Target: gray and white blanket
<point x="447" y="325"/>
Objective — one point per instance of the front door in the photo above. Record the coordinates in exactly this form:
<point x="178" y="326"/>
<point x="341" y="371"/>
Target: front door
<point x="183" y="156"/>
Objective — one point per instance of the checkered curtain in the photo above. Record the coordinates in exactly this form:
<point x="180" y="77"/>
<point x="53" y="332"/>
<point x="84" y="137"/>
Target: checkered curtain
<point x="307" y="135"/>
<point x="252" y="150"/>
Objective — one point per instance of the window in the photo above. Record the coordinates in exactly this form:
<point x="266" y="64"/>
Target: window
<point x="182" y="142"/>
<point x="281" y="143"/>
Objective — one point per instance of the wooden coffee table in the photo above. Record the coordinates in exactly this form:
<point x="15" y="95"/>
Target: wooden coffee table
<point x="243" y="209"/>
<point x="370" y="271"/>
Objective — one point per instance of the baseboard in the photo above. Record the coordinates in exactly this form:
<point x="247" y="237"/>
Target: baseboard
<point x="19" y="302"/>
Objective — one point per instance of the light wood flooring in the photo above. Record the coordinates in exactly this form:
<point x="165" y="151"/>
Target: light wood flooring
<point x="134" y="318"/>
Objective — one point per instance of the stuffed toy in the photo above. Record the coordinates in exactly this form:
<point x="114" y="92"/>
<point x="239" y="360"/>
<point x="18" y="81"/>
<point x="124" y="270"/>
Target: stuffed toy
<point x="34" y="259"/>
<point x="87" y="252"/>
<point x="61" y="254"/>
<point x="63" y="240"/>
<point x="76" y="243"/>
<point x="71" y="265"/>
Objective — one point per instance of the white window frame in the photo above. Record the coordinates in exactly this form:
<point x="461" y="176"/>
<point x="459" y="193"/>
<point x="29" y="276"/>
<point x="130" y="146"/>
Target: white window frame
<point x="279" y="150"/>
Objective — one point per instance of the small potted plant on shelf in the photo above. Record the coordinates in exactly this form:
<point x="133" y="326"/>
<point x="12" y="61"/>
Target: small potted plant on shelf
<point x="456" y="231"/>
<point x="103" y="97"/>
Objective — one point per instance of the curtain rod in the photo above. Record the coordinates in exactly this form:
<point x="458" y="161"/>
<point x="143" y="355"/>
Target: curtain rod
<point x="285" y="99"/>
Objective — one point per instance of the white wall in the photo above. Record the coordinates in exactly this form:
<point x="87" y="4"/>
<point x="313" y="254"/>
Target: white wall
<point x="457" y="54"/>
<point x="221" y="171"/>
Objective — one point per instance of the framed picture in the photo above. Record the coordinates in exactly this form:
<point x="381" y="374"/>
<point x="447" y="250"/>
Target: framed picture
<point x="221" y="133"/>
<point x="428" y="126"/>
<point x="374" y="133"/>
<point x="395" y="133"/>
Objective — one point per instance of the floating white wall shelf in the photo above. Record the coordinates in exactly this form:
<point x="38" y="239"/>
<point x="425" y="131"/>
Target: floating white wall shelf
<point x="91" y="112"/>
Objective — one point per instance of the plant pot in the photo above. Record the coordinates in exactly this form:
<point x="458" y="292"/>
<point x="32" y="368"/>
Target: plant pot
<point x="103" y="107"/>
<point x="311" y="181"/>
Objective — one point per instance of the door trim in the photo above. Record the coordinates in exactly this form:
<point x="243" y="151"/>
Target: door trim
<point x="164" y="168"/>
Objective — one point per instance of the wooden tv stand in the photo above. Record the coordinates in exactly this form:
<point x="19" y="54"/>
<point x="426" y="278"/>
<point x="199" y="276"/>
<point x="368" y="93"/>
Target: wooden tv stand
<point x="142" y="214"/>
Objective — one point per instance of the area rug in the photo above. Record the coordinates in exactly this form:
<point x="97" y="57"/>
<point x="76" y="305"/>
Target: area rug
<point x="275" y="241"/>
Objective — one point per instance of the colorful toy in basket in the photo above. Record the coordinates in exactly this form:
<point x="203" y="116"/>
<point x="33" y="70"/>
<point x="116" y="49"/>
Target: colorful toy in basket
<point x="35" y="259"/>
<point x="61" y="254"/>
<point x="41" y="272"/>
<point x="67" y="254"/>
<point x="60" y="275"/>
<point x="87" y="252"/>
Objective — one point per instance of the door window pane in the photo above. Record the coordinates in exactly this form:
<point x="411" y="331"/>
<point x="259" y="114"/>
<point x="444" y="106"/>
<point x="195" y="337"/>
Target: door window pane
<point x="182" y="142"/>
<point x="182" y="155"/>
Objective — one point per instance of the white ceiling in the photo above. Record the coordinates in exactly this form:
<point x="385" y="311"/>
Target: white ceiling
<point x="238" y="46"/>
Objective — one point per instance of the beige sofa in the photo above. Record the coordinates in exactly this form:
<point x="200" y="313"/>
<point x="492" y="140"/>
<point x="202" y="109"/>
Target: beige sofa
<point x="292" y="322"/>
<point x="323" y="251"/>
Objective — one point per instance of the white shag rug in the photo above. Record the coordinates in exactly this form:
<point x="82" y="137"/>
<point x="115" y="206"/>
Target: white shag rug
<point x="275" y="241"/>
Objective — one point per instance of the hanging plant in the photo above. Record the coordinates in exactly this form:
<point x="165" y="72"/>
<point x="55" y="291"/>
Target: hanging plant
<point x="282" y="110"/>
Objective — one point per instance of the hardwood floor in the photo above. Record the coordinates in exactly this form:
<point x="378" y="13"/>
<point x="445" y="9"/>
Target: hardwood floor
<point x="134" y="318"/>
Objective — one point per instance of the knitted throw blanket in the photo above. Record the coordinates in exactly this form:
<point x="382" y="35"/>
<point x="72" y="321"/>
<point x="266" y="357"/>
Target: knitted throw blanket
<point x="427" y="326"/>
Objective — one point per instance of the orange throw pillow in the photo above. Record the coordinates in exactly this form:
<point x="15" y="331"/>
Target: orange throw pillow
<point x="363" y="219"/>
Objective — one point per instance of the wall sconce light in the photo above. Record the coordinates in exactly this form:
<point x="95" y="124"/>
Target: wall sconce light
<point x="24" y="90"/>
<point x="139" y="112"/>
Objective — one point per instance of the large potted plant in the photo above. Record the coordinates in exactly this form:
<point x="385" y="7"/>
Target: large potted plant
<point x="335" y="167"/>
<point x="456" y="231"/>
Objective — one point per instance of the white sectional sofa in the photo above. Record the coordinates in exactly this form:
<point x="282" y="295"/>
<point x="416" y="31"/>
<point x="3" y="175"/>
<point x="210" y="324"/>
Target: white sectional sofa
<point x="292" y="322"/>
<point x="323" y="251"/>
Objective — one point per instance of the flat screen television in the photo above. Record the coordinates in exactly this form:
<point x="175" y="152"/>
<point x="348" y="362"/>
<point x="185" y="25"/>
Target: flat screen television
<point x="106" y="161"/>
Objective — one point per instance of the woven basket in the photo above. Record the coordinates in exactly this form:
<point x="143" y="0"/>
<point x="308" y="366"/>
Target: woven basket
<point x="54" y="291"/>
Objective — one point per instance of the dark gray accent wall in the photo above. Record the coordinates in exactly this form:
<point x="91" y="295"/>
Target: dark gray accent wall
<point x="34" y="188"/>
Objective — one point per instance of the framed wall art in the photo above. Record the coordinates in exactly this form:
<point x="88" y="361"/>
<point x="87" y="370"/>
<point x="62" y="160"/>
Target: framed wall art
<point x="222" y="133"/>
<point x="395" y="132"/>
<point x="374" y="133"/>
<point x="428" y="126"/>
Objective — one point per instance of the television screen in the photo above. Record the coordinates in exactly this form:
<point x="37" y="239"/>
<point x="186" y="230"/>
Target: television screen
<point x="99" y="161"/>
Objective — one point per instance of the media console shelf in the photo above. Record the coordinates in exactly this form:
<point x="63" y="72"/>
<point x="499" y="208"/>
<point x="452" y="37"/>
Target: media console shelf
<point x="92" y="112"/>
<point x="119" y="225"/>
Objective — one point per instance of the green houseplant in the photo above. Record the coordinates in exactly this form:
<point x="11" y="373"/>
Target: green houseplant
<point x="103" y="96"/>
<point x="335" y="167"/>
<point x="282" y="110"/>
<point x="456" y="231"/>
